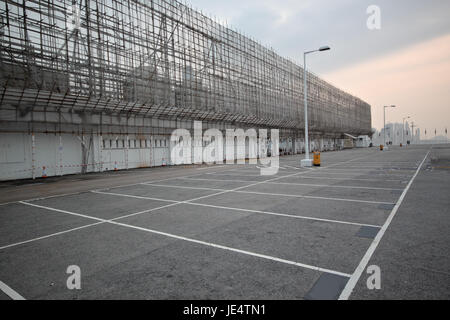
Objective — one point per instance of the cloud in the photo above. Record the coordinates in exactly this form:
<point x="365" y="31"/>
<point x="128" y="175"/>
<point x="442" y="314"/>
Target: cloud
<point x="405" y="63"/>
<point x="416" y="79"/>
<point x="293" y="26"/>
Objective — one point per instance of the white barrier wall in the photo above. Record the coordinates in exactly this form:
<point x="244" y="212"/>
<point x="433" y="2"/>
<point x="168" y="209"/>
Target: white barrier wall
<point x="24" y="155"/>
<point x="56" y="155"/>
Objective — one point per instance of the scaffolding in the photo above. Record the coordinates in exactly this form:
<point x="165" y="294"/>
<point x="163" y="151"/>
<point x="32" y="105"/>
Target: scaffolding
<point x="160" y="59"/>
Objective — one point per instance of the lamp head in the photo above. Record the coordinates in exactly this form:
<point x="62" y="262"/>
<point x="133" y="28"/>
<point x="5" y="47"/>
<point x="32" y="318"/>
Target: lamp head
<point x="324" y="48"/>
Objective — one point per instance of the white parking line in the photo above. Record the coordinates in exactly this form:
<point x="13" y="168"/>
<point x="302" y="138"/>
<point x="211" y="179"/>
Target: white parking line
<point x="356" y="174"/>
<point x="376" y="168"/>
<point x="11" y="293"/>
<point x="85" y="191"/>
<point x="302" y="177"/>
<point x="190" y="202"/>
<point x="172" y="203"/>
<point x="212" y="167"/>
<point x="181" y="187"/>
<point x="313" y="197"/>
<point x="345" y="295"/>
<point x="209" y="244"/>
<point x="328" y="172"/>
<point x="295" y="168"/>
<point x="133" y="196"/>
<point x="284" y="215"/>
<point x="350" y="179"/>
<point x="49" y="236"/>
<point x="247" y="192"/>
<point x="237" y="175"/>
<point x="102" y="221"/>
<point x="399" y="170"/>
<point x="297" y="184"/>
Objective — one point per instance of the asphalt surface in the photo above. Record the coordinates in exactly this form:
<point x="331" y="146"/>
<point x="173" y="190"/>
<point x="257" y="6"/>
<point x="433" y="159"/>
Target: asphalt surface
<point x="226" y="232"/>
<point x="414" y="255"/>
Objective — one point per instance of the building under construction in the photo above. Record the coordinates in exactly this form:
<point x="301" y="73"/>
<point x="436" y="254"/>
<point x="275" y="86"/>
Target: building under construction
<point x="98" y="85"/>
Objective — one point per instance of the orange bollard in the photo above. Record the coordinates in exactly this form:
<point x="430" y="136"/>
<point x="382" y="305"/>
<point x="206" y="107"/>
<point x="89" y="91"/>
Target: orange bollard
<point x="316" y="161"/>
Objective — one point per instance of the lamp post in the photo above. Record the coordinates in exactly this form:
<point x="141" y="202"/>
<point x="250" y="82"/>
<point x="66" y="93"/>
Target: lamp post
<point x="385" y="122"/>
<point x="403" y="133"/>
<point x="307" y="162"/>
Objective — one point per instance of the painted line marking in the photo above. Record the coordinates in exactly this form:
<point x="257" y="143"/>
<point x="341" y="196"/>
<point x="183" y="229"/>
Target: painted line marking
<point x="101" y="221"/>
<point x="249" y="192"/>
<point x="279" y="183"/>
<point x="134" y="184"/>
<point x="209" y="244"/>
<point x="350" y="179"/>
<point x="345" y="295"/>
<point x="133" y="196"/>
<point x="86" y="191"/>
<point x="284" y="215"/>
<point x="302" y="177"/>
<point x="189" y="202"/>
<point x="49" y="236"/>
<point x="313" y="197"/>
<point x="181" y="187"/>
<point x="212" y="167"/>
<point x="295" y="168"/>
<point x="10" y="292"/>
<point x="356" y="174"/>
<point x="313" y="172"/>
<point x="243" y="175"/>
<point x="172" y="203"/>
<point x="370" y="169"/>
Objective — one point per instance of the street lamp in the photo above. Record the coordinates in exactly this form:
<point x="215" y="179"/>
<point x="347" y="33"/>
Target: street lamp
<point x="307" y="162"/>
<point x="403" y="133"/>
<point x="385" y="122"/>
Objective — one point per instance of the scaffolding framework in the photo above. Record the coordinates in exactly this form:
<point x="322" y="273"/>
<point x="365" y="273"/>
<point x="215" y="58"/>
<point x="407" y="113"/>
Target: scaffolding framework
<point x="159" y="59"/>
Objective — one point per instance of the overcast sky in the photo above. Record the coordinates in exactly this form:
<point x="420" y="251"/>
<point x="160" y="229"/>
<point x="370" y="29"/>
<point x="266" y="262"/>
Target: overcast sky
<point x="406" y="62"/>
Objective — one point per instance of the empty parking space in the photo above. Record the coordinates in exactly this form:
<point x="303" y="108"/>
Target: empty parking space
<point x="355" y="182"/>
<point x="118" y="263"/>
<point x="340" y="211"/>
<point x="319" y="192"/>
<point x="21" y="223"/>
<point x="100" y="205"/>
<point x="222" y="232"/>
<point x="158" y="192"/>
<point x="195" y="182"/>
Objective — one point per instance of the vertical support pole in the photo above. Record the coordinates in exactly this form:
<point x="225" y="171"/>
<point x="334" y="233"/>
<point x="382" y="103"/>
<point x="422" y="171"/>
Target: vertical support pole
<point x="403" y="132"/>
<point x="33" y="158"/>
<point x="84" y="154"/>
<point x="100" y="148"/>
<point x="60" y="150"/>
<point x="305" y="94"/>
<point x="384" y="121"/>
<point x="127" y="148"/>
<point x="294" y="151"/>
<point x="152" y="151"/>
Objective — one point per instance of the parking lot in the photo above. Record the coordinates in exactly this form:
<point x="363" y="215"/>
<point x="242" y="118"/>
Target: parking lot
<point x="209" y="232"/>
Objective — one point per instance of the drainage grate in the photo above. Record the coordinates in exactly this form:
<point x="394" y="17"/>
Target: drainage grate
<point x="327" y="287"/>
<point x="368" y="232"/>
<point x="386" y="206"/>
